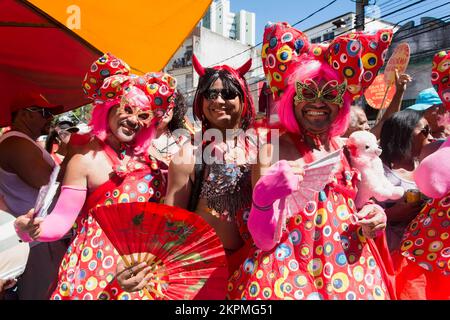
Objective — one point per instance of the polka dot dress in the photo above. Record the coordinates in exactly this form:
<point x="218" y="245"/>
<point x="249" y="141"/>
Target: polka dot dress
<point x="88" y="269"/>
<point x="426" y="240"/>
<point x="320" y="256"/>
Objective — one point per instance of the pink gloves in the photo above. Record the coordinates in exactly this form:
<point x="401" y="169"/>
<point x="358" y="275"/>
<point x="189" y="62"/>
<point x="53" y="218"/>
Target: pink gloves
<point x="433" y="174"/>
<point x="60" y="220"/>
<point x="278" y="182"/>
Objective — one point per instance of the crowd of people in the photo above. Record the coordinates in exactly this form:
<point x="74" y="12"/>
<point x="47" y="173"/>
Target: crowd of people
<point x="238" y="176"/>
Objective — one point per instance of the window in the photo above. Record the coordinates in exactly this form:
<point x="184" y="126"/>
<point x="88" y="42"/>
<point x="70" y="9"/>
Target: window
<point x="315" y="40"/>
<point x="328" y="36"/>
<point x="188" y="81"/>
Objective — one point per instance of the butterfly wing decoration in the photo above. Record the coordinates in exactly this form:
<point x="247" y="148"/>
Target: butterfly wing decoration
<point x="187" y="258"/>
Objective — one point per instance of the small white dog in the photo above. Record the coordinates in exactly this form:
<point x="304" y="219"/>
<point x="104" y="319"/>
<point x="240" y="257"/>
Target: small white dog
<point x="364" y="154"/>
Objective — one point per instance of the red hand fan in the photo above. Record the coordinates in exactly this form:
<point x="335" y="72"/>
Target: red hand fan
<point x="187" y="258"/>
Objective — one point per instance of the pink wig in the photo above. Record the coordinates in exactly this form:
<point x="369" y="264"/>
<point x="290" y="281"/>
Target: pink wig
<point x="318" y="71"/>
<point x="100" y="126"/>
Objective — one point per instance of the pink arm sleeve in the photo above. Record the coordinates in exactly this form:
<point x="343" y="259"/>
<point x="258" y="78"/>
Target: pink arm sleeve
<point x="278" y="183"/>
<point x="63" y="216"/>
<point x="262" y="226"/>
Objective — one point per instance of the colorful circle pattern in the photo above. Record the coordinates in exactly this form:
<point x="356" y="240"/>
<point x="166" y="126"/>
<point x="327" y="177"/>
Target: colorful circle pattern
<point x="319" y="257"/>
<point x="91" y="259"/>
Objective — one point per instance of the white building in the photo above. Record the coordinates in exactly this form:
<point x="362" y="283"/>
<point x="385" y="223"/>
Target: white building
<point x="239" y="26"/>
<point x="343" y="24"/>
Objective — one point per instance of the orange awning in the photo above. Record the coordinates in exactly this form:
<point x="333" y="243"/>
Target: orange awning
<point x="143" y="33"/>
<point x="38" y="53"/>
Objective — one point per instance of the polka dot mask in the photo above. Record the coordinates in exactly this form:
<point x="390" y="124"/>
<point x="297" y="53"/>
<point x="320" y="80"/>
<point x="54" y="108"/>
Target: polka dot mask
<point x="357" y="56"/>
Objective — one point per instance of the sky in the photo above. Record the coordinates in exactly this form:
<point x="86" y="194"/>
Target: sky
<point x="294" y="10"/>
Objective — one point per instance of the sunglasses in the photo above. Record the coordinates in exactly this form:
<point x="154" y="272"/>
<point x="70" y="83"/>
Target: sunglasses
<point x="45" y="113"/>
<point x="226" y="94"/>
<point x="331" y="92"/>
<point x="426" y="131"/>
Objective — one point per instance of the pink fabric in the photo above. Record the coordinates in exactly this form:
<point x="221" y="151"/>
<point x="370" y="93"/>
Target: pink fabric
<point x="61" y="219"/>
<point x="277" y="183"/>
<point x="433" y="174"/>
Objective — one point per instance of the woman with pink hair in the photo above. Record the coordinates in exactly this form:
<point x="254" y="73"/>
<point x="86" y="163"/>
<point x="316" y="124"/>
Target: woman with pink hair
<point x="324" y="247"/>
<point x="110" y="165"/>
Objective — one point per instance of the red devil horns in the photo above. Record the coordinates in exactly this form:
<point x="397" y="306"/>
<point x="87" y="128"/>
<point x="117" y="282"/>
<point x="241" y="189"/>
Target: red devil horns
<point x="197" y="66"/>
<point x="242" y="70"/>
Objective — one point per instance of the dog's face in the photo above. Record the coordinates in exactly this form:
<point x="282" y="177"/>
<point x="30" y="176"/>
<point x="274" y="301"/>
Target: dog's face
<point x="363" y="143"/>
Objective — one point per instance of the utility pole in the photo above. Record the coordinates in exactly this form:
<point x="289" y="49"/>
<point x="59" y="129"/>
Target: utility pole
<point x="360" y="16"/>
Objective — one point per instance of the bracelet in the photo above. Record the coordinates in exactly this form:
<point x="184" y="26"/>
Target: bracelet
<point x="262" y="208"/>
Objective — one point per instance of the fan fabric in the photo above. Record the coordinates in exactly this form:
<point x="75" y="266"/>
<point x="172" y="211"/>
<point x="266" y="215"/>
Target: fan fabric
<point x="187" y="257"/>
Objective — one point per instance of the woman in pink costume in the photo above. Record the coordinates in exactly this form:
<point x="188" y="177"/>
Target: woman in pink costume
<point x="320" y="253"/>
<point x="111" y="165"/>
<point x="423" y="262"/>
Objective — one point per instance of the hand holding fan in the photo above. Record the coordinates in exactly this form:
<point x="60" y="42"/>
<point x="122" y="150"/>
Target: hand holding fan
<point x="316" y="176"/>
<point x="182" y="250"/>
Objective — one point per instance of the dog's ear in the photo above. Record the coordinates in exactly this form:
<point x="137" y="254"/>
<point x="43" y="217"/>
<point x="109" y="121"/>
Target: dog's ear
<point x="352" y="149"/>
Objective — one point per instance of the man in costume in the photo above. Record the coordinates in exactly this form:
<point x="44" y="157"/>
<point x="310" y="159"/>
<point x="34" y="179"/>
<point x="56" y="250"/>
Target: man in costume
<point x="423" y="261"/>
<point x="111" y="165"/>
<point x="325" y="250"/>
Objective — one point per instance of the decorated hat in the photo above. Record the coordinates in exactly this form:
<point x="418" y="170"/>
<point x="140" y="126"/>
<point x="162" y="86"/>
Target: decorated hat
<point x="357" y="56"/>
<point x="440" y="75"/>
<point x="109" y="78"/>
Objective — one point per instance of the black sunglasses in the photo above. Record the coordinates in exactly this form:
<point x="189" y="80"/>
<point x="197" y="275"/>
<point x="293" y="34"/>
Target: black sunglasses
<point x="426" y="131"/>
<point x="45" y="113"/>
<point x="226" y="94"/>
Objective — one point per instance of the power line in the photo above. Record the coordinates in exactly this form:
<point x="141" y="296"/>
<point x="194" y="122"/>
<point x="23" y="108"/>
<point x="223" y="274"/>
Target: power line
<point x="425" y="30"/>
<point x="421" y="32"/>
<point x="387" y="4"/>
<point x="315" y="12"/>
<point x="402" y="38"/>
<point x="414" y="27"/>
<point x="321" y="31"/>
<point x="386" y="15"/>
<point x="426" y="11"/>
<point x="258" y="44"/>
<point x="412" y="56"/>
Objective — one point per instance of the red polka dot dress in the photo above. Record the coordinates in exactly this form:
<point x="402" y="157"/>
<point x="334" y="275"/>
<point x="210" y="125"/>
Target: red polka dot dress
<point x="88" y="269"/>
<point x="321" y="255"/>
<point x="423" y="261"/>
